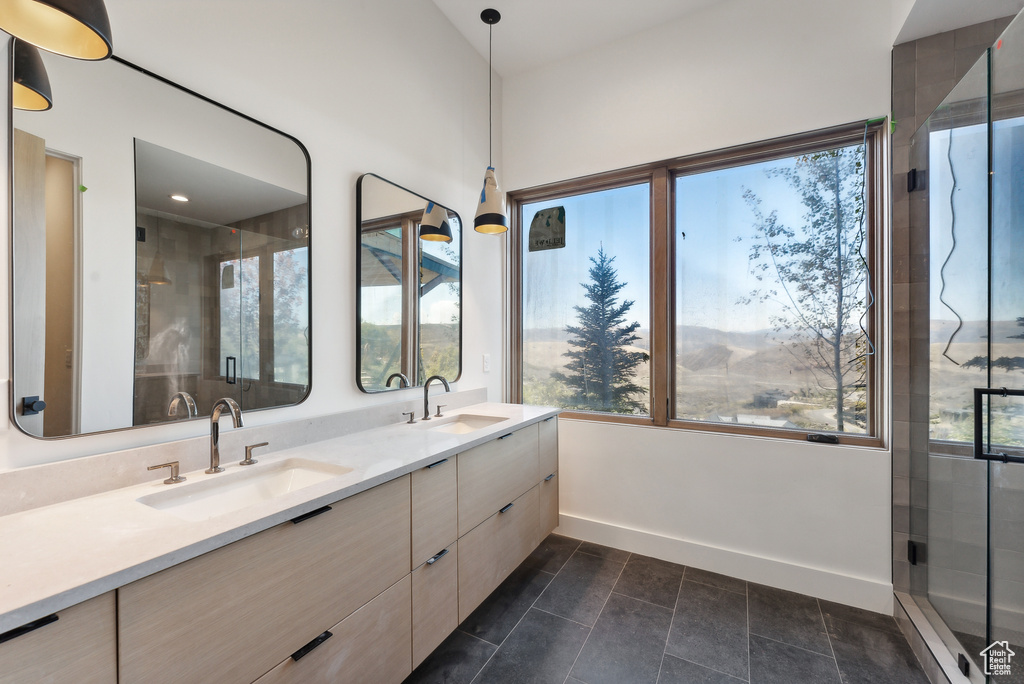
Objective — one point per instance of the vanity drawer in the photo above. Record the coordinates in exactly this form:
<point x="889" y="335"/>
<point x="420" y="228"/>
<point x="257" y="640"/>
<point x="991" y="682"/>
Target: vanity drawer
<point x="495" y="473"/>
<point x="370" y="645"/>
<point x="435" y="522"/>
<point x="80" y="647"/>
<point x="492" y="550"/>
<point x="435" y="603"/>
<point x="234" y="613"/>
<point x="548" y="440"/>
<point x="548" y="504"/>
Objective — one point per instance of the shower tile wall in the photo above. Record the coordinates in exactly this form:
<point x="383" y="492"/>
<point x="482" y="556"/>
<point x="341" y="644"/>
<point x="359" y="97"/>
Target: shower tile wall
<point x="923" y="73"/>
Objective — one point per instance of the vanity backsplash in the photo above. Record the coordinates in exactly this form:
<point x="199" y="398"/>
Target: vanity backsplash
<point x="31" y="487"/>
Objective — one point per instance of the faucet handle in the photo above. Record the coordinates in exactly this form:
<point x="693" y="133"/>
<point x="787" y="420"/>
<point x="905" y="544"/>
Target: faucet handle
<point x="439" y="407"/>
<point x="412" y="416"/>
<point x="173" y="465"/>
<point x="249" y="460"/>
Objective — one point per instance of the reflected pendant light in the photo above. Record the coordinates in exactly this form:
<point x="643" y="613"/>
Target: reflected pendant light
<point x="490" y="213"/>
<point x="434" y="224"/>
<point x="72" y="28"/>
<point x="158" y="271"/>
<point x="31" y="90"/>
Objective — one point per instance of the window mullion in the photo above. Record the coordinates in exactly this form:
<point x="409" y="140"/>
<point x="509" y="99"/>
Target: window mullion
<point x="661" y="288"/>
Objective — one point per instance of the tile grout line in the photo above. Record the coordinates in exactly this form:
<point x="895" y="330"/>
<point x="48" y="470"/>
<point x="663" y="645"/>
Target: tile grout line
<point x="746" y="587"/>
<point x="525" y="613"/>
<point x="576" y="659"/>
<point x="656" y="605"/>
<point x="664" y="651"/>
<point x="799" y="648"/>
<point x="561" y="617"/>
<point x="829" y="637"/>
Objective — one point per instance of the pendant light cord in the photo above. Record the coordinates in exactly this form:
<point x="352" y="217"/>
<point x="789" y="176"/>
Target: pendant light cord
<point x="490" y="97"/>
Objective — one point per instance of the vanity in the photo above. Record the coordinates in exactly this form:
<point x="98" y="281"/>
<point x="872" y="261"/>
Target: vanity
<point x="356" y="576"/>
<point x="353" y="544"/>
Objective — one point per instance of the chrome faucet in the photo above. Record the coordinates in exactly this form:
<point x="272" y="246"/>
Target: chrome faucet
<point x="183" y="398"/>
<point x="403" y="380"/>
<point x="426" y="393"/>
<point x="236" y="417"/>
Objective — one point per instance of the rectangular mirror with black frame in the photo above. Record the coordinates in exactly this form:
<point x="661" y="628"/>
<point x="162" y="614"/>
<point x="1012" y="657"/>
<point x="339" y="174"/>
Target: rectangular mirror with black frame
<point x="409" y="288"/>
<point x="161" y="255"/>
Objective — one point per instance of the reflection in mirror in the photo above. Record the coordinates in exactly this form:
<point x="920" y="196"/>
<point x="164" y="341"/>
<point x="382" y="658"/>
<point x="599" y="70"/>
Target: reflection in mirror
<point x="410" y="290"/>
<point x="131" y="307"/>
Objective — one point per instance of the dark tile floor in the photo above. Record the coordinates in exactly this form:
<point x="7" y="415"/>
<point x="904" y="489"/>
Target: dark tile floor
<point x="576" y="612"/>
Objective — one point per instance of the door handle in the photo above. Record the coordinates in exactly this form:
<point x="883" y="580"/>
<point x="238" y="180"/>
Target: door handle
<point x="979" y="447"/>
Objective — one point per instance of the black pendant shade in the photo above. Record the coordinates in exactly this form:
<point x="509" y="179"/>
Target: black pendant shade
<point x="72" y="28"/>
<point x="31" y="88"/>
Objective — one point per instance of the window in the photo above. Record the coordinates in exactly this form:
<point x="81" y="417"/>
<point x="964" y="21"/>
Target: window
<point x="264" y="338"/>
<point x="730" y="291"/>
<point x="586" y="304"/>
<point x="240" y="318"/>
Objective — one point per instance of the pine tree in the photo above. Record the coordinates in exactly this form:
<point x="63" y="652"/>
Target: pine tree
<point x="600" y="370"/>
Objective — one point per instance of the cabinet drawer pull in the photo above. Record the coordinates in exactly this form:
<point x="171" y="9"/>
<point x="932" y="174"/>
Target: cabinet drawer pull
<point x="549" y="419"/>
<point x="439" y="556"/>
<point x="504" y="436"/>
<point x="506" y="507"/>
<point x="30" y="627"/>
<point x="434" y="465"/>
<point x="304" y="651"/>
<point x="548" y="478"/>
<point x="311" y="514"/>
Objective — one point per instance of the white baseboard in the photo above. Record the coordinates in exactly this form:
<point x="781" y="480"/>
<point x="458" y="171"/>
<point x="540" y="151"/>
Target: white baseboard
<point x="852" y="591"/>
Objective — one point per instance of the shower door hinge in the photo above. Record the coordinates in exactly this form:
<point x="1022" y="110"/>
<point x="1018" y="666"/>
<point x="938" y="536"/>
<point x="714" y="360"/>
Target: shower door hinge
<point x="915" y="551"/>
<point x="915" y="180"/>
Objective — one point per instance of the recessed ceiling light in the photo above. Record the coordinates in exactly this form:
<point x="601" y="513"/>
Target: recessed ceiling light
<point x="179" y="198"/>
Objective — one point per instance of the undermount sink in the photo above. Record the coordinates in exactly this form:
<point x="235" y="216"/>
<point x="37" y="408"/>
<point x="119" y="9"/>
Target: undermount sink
<point x="220" y="494"/>
<point x="462" y="423"/>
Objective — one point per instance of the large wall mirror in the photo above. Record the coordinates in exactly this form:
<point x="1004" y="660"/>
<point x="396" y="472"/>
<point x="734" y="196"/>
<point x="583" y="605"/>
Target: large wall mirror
<point x="160" y="255"/>
<point x="409" y="289"/>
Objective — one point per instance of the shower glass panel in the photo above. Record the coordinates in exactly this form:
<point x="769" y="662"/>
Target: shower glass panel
<point x="967" y="232"/>
<point x="1003" y="427"/>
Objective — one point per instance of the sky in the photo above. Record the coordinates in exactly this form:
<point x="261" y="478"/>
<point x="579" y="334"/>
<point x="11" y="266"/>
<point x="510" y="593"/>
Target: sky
<point x="712" y="264"/>
<point x="960" y="213"/>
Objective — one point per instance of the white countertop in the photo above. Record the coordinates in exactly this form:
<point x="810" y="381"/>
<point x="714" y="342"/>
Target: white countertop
<point x="56" y="556"/>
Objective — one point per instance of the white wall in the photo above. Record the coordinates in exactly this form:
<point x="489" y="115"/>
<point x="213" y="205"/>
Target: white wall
<point x="811" y="518"/>
<point x="387" y="86"/>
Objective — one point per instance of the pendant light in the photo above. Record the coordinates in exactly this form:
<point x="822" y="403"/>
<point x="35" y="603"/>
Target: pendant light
<point x="490" y="213"/>
<point x="31" y="89"/>
<point x="434" y="224"/>
<point x="157" y="270"/>
<point x="72" y="28"/>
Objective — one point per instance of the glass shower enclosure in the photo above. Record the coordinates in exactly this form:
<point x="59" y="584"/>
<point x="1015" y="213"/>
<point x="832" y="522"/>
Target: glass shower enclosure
<point x="967" y="332"/>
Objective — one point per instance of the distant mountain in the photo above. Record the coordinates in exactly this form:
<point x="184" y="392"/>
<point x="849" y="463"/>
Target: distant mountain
<point x="974" y="331"/>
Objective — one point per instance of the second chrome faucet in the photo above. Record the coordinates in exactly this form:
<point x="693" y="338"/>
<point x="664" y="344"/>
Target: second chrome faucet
<point x="236" y="417"/>
<point x="426" y="394"/>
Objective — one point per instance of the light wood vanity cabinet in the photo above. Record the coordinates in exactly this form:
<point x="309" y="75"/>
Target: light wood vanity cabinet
<point x="435" y="602"/>
<point x="372" y="644"/>
<point x="494" y="474"/>
<point x="548" y="447"/>
<point x="233" y="614"/>
<point x="493" y="549"/>
<point x="360" y="591"/>
<point x="79" y="647"/>
<point x="435" y="522"/>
